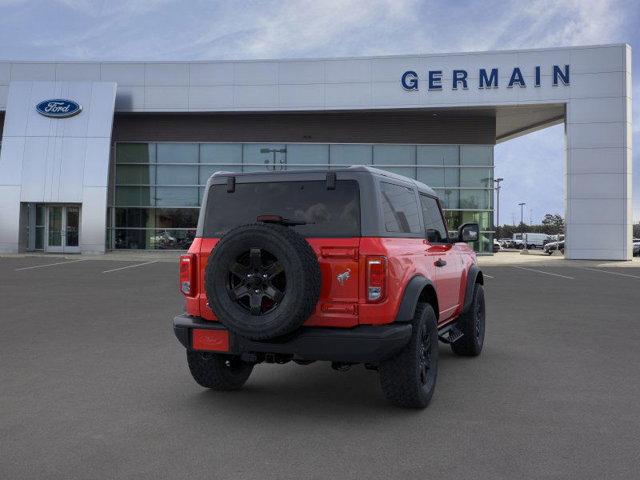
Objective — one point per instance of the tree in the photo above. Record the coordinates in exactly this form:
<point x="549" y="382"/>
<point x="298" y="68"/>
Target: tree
<point x="636" y="230"/>
<point x="553" y="220"/>
<point x="552" y="224"/>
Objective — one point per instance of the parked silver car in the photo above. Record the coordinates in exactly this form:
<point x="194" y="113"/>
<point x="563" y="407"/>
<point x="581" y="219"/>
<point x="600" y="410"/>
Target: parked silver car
<point x="550" y="247"/>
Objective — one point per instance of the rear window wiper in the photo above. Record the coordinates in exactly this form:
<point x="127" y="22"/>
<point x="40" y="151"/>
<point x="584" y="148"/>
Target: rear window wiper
<point x="287" y="222"/>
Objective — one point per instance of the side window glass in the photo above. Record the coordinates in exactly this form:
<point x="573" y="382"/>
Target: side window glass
<point x="433" y="223"/>
<point x="400" y="209"/>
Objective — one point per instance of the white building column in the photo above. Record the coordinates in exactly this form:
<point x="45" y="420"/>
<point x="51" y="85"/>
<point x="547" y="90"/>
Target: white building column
<point x="598" y="205"/>
<point x="57" y="160"/>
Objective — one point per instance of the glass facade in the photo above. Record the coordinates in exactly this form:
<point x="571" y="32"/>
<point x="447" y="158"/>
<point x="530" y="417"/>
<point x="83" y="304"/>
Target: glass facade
<point x="158" y="187"/>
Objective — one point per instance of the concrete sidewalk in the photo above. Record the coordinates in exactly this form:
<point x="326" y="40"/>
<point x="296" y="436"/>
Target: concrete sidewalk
<point x="119" y="256"/>
<point x="536" y="257"/>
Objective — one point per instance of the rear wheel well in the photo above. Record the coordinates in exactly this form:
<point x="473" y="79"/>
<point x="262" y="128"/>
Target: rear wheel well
<point x="480" y="278"/>
<point x="428" y="295"/>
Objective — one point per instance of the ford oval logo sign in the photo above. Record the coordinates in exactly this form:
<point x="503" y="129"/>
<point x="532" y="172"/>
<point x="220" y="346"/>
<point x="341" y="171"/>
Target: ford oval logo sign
<point x="58" y="108"/>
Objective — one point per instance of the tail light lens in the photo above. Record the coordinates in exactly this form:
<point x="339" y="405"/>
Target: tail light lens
<point x="376" y="279"/>
<point x="187" y="274"/>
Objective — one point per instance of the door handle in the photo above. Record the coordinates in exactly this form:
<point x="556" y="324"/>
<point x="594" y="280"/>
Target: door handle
<point x="439" y="263"/>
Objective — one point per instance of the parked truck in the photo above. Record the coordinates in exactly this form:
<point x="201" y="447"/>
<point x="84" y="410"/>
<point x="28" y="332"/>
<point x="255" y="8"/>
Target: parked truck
<point x="353" y="265"/>
<point x="531" y="240"/>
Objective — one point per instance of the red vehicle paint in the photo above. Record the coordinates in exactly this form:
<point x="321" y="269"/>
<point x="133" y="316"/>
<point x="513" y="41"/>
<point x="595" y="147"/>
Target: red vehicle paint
<point x="345" y="308"/>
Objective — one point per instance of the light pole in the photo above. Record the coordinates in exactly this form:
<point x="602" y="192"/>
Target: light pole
<point x="497" y="182"/>
<point x="524" y="240"/>
<point x="522" y="212"/>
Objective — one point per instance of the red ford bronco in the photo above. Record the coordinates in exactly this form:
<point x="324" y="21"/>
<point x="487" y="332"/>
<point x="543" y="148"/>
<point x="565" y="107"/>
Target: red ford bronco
<point x="352" y="265"/>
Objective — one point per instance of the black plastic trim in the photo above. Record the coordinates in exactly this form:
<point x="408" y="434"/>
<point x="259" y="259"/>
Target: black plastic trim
<point x="472" y="276"/>
<point x="231" y="184"/>
<point x="410" y="298"/>
<point x="331" y="180"/>
<point x="362" y="344"/>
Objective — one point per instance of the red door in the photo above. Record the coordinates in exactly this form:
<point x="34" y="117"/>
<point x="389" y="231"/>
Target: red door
<point x="445" y="257"/>
<point x="447" y="277"/>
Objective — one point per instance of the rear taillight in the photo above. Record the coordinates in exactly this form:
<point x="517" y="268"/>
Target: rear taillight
<point x="187" y="274"/>
<point x="376" y="278"/>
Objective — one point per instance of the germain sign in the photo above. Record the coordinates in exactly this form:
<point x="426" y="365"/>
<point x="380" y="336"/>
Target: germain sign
<point x="487" y="78"/>
<point x="58" y="108"/>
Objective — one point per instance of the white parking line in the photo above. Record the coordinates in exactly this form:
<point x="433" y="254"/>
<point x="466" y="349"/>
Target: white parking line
<point x="130" y="266"/>
<point x="49" y="265"/>
<point x="488" y="276"/>
<point x="610" y="273"/>
<point x="545" y="273"/>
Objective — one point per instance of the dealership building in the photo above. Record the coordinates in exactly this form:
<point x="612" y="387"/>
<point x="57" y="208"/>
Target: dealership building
<point x="99" y="156"/>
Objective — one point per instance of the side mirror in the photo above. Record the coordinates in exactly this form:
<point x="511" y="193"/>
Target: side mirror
<point x="469" y="232"/>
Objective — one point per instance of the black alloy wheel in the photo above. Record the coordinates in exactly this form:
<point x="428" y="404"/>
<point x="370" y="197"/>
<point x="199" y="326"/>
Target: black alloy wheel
<point x="408" y="379"/>
<point x="257" y="281"/>
<point x="425" y="357"/>
<point x="478" y="317"/>
<point x="472" y="325"/>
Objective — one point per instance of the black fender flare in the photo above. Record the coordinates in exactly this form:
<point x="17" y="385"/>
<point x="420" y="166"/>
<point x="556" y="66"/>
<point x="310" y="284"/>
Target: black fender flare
<point x="410" y="298"/>
<point x="473" y="276"/>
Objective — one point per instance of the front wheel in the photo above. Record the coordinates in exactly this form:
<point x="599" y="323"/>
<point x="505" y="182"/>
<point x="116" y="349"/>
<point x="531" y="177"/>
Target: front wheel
<point x="409" y="379"/>
<point x="218" y="371"/>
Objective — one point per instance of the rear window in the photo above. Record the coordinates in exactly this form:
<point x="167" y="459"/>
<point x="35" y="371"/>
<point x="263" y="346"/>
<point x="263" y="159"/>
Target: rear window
<point x="328" y="213"/>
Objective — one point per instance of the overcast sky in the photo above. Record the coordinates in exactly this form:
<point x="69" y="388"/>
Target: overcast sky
<point x="532" y="166"/>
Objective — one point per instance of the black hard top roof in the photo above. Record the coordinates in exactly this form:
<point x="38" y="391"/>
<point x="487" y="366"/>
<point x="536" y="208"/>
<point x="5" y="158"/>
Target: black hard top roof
<point x="364" y="169"/>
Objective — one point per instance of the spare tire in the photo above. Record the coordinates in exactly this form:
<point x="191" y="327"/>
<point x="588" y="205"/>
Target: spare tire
<point x="262" y="280"/>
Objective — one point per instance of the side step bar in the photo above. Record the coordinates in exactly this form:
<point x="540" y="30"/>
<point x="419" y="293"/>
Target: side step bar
<point x="450" y="334"/>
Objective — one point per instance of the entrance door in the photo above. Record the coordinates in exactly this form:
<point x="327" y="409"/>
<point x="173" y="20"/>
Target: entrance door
<point x="63" y="229"/>
<point x="55" y="230"/>
<point x="72" y="229"/>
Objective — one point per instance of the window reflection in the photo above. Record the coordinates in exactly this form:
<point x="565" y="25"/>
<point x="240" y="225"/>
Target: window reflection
<point x="178" y="152"/>
<point x="351" y="154"/>
<point x="476" y="155"/>
<point x="136" y="175"/>
<point x="307" y="157"/>
<point x="136" y="153"/>
<point x="263" y="156"/>
<point x="385" y="156"/>
<point x="156" y="217"/>
<point x="159" y="186"/>
<point x="476" y="199"/>
<point x="457" y="218"/>
<point x="157" y="239"/>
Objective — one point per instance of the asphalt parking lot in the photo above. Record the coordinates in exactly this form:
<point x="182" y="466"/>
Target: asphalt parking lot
<point x="94" y="385"/>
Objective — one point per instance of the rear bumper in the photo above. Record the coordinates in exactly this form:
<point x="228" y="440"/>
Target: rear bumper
<point x="362" y="344"/>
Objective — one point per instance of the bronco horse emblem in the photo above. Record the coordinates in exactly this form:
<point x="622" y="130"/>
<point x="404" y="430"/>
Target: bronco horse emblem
<point x="343" y="277"/>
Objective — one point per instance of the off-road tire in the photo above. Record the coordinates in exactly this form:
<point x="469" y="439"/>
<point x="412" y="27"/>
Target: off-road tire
<point x="472" y="325"/>
<point x="218" y="371"/>
<point x="299" y="265"/>
<point x="403" y="380"/>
